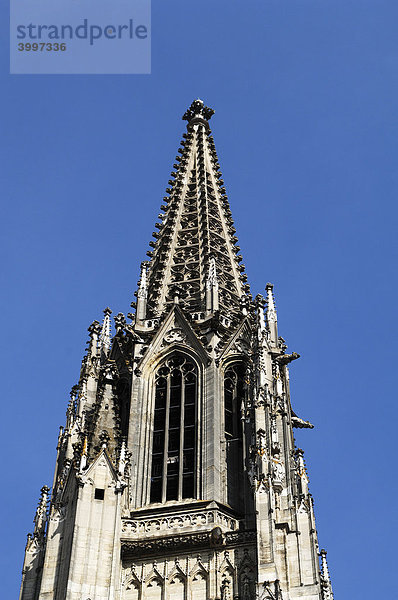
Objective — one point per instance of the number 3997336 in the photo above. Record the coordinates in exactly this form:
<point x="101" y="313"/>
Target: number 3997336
<point x="41" y="47"/>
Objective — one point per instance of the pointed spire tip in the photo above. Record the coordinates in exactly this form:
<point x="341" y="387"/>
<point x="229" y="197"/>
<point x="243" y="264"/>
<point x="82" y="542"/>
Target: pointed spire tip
<point x="105" y="335"/>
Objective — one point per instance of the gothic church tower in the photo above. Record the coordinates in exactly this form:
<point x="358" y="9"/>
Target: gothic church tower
<point x="177" y="476"/>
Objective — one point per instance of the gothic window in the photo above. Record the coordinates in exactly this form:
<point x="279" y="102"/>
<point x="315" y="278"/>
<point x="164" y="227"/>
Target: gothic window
<point x="174" y="432"/>
<point x="233" y="399"/>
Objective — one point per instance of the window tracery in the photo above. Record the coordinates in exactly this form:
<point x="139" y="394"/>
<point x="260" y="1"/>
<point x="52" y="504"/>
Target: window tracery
<point x="174" y="434"/>
<point x="233" y="400"/>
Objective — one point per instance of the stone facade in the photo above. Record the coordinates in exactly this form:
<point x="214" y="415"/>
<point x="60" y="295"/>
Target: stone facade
<point x="177" y="476"/>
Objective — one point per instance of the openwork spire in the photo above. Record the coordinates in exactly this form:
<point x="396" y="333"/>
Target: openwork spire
<point x="195" y="227"/>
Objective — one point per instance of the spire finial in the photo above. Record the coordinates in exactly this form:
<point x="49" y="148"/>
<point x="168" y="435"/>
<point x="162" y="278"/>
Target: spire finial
<point x="198" y="110"/>
<point x="212" y="280"/>
<point x="142" y="288"/>
<point x="325" y="568"/>
<point x="301" y="472"/>
<point x="212" y="288"/>
<point x="272" y="321"/>
<point x="271" y="310"/>
<point x="122" y="458"/>
<point x="142" y="293"/>
<point x="41" y="512"/>
<point x="260" y="303"/>
<point x="325" y="577"/>
<point x="83" y="456"/>
<point x="94" y="331"/>
<point x="105" y="336"/>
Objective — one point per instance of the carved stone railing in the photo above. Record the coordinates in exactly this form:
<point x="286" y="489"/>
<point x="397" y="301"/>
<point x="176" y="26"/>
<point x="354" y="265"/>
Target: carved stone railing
<point x="154" y="526"/>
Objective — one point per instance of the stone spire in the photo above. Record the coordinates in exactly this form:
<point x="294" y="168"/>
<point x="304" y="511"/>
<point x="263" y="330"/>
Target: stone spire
<point x="327" y="592"/>
<point x="195" y="226"/>
<point x="272" y="320"/>
<point x="301" y="472"/>
<point x="83" y="456"/>
<point x="260" y="303"/>
<point x="122" y="458"/>
<point x="105" y="335"/>
<point x="40" y="519"/>
<point x="94" y="331"/>
<point x="142" y="293"/>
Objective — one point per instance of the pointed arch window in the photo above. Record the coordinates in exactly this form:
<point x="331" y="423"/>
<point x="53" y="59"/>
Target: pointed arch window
<point x="234" y="392"/>
<point x="174" y="433"/>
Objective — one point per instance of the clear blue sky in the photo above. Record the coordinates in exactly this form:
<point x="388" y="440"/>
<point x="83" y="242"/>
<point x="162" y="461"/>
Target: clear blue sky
<point x="305" y="94"/>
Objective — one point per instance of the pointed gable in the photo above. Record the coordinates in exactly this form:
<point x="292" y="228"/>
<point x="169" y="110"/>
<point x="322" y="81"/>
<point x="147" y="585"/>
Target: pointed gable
<point x="101" y="470"/>
<point x="175" y="333"/>
<point x="240" y="342"/>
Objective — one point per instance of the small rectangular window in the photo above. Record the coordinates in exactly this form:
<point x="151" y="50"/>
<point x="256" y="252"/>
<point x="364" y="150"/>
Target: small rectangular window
<point x="99" y="494"/>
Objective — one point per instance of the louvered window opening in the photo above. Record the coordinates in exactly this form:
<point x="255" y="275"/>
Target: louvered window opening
<point x="174" y="435"/>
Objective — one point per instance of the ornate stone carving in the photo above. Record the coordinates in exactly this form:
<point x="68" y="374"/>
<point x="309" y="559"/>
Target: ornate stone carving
<point x="198" y="110"/>
<point x="278" y="473"/>
<point x="144" y="547"/>
<point x="175" y="335"/>
<point x="120" y="321"/>
<point x="186" y="521"/>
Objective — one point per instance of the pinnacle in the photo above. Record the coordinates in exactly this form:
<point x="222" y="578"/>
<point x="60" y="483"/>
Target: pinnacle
<point x="105" y="335"/>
